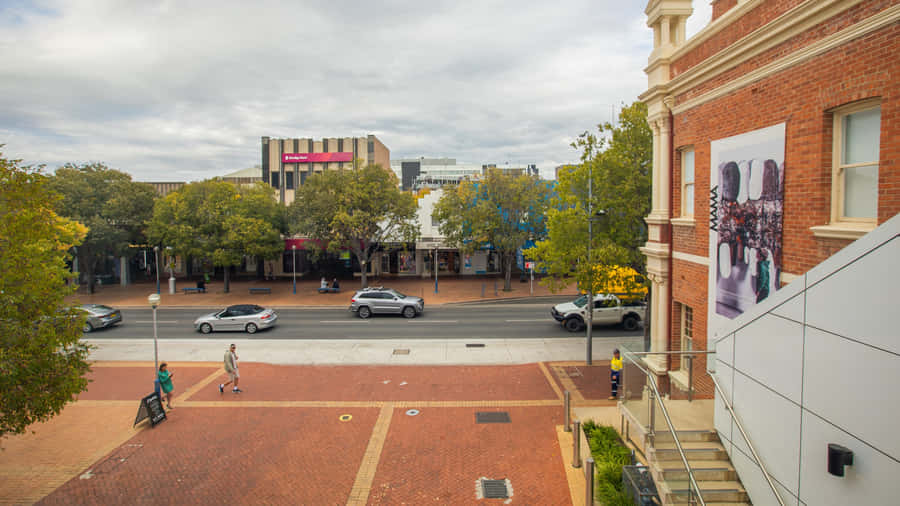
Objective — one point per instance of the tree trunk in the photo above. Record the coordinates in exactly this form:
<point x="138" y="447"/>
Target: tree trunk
<point x="363" y="265"/>
<point x="227" y="278"/>
<point x="507" y="272"/>
<point x="89" y="269"/>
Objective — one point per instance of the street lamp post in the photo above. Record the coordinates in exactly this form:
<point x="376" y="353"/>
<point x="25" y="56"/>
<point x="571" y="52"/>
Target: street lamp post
<point x="435" y="270"/>
<point x="153" y="300"/>
<point x="156" y="256"/>
<point x="590" y="301"/>
<point x="294" y="266"/>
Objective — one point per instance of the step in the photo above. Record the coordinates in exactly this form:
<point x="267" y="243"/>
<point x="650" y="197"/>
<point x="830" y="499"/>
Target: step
<point x="705" y="470"/>
<point x="686" y="436"/>
<point x="694" y="451"/>
<point x="713" y="491"/>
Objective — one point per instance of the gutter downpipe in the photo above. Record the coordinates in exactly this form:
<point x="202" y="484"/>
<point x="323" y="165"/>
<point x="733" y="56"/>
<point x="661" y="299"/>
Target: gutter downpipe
<point x="669" y="227"/>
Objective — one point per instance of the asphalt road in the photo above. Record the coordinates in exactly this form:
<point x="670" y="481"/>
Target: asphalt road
<point x="494" y="321"/>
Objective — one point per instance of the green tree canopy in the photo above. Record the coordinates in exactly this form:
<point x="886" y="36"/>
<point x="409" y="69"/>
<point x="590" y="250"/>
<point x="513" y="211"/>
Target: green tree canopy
<point x="113" y="207"/>
<point x="500" y="211"/>
<point x="42" y="360"/>
<point x="354" y="210"/>
<point x="219" y="221"/>
<point x="618" y="162"/>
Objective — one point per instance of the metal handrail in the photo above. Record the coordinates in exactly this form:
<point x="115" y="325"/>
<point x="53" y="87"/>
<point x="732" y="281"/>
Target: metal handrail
<point x="746" y="438"/>
<point x="658" y="398"/>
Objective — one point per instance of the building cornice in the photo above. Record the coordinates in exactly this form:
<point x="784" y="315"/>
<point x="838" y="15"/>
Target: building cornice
<point x="870" y="24"/>
<point x="687" y="257"/>
<point x="716" y="26"/>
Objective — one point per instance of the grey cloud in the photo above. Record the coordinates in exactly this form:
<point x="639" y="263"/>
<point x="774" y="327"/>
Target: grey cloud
<point x="185" y="89"/>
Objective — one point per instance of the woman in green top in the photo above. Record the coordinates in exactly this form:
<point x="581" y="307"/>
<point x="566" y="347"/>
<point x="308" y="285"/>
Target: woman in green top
<point x="165" y="381"/>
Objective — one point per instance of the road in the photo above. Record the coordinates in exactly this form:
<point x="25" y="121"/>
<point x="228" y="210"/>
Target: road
<point x="483" y="321"/>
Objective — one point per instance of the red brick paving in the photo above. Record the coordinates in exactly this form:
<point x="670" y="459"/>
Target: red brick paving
<point x="437" y="456"/>
<point x="265" y="382"/>
<point x="293" y="455"/>
<point x="133" y="383"/>
<point x="232" y="456"/>
<point x="592" y="381"/>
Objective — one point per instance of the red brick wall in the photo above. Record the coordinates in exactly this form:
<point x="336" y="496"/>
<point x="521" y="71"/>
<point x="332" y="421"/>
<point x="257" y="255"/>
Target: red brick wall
<point x="801" y="97"/>
<point x="757" y="17"/>
<point x="720" y="6"/>
<point x="837" y="23"/>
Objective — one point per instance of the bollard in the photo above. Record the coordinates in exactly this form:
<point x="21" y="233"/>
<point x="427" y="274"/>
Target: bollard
<point x="495" y="288"/>
<point x="576" y="444"/>
<point x="482" y="289"/>
<point x="568" y="419"/>
<point x="589" y="481"/>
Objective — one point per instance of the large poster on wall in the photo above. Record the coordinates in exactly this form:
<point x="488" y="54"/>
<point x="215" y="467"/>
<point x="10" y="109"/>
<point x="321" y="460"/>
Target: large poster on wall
<point x="746" y="220"/>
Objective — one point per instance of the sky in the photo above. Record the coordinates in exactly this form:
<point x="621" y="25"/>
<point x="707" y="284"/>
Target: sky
<point x="183" y="91"/>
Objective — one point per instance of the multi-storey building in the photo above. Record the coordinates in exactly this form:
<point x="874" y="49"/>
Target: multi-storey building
<point x="286" y="163"/>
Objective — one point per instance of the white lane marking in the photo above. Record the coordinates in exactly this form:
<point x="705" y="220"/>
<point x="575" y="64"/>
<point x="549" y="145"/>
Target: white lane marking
<point x="432" y="321"/>
<point x="158" y="321"/>
<point x="537" y="320"/>
<point x="344" y="321"/>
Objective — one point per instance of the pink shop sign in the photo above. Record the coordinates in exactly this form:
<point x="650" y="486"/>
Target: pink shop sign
<point x="316" y="157"/>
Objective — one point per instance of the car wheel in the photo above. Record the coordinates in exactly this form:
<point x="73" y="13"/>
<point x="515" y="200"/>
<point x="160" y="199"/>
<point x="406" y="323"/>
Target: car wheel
<point x="251" y="328"/>
<point x="206" y="328"/>
<point x="364" y="312"/>
<point x="87" y="327"/>
<point x="409" y="312"/>
<point x="573" y="324"/>
<point x="630" y="323"/>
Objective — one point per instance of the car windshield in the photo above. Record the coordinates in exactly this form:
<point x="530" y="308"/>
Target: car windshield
<point x="398" y="294"/>
<point x="580" y="301"/>
<point x="258" y="309"/>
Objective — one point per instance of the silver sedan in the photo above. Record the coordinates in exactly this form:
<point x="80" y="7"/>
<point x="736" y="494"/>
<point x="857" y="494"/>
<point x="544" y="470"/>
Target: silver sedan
<point x="100" y="316"/>
<point x="246" y="317"/>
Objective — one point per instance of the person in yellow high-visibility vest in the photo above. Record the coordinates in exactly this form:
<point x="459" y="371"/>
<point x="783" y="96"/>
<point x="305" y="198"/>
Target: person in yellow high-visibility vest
<point x="615" y="370"/>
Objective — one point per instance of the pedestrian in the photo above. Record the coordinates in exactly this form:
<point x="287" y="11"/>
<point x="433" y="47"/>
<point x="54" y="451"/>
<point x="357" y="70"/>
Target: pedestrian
<point x="231" y="368"/>
<point x="335" y="285"/>
<point x="324" y="283"/>
<point x="165" y="381"/>
<point x="615" y="371"/>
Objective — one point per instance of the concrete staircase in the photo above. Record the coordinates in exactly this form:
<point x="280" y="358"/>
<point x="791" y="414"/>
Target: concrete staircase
<point x="709" y="462"/>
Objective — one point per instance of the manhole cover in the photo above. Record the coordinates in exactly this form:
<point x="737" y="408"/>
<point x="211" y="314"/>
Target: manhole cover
<point x="345" y="418"/>
<point x="494" y="489"/>
<point x="412" y="412"/>
<point x="492" y="417"/>
<point x="474" y="345"/>
<point x="401" y="351"/>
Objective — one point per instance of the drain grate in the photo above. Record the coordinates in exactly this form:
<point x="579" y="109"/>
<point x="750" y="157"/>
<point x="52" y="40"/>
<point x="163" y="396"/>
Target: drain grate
<point x="492" y="417"/>
<point x="474" y="345"/>
<point x="494" y="489"/>
<point x="401" y="351"/>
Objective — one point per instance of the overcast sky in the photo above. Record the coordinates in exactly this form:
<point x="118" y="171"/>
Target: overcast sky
<point x="183" y="90"/>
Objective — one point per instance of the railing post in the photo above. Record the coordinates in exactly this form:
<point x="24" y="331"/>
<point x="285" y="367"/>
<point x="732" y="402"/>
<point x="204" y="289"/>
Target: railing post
<point x="568" y="419"/>
<point x="576" y="444"/>
<point x="652" y="430"/>
<point x="589" y="481"/>
<point x="690" y="364"/>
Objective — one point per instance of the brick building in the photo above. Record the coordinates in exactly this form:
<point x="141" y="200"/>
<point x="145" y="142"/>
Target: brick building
<point x="776" y="132"/>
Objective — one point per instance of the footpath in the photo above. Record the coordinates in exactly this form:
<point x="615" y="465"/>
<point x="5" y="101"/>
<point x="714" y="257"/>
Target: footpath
<point x="450" y="290"/>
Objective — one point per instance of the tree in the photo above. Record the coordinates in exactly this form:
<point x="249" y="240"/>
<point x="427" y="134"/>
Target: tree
<point x="354" y="210"/>
<point x="42" y="360"/>
<point x="114" y="208"/>
<point x="618" y="161"/>
<point x="219" y="221"/>
<point x="500" y="211"/>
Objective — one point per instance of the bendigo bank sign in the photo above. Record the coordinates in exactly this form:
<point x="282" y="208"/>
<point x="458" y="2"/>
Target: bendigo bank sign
<point x="316" y="157"/>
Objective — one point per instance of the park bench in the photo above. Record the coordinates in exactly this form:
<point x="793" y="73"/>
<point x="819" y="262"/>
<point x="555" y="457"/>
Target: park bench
<point x="260" y="290"/>
<point x="192" y="289"/>
<point x="330" y="290"/>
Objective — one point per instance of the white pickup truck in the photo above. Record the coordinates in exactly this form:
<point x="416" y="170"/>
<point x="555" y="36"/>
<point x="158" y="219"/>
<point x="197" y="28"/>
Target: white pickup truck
<point x="608" y="310"/>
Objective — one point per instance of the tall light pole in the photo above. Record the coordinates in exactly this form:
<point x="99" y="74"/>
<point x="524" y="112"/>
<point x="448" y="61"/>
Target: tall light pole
<point x="294" y="266"/>
<point x="435" y="270"/>
<point x="590" y="302"/>
<point x="153" y="300"/>
<point x="156" y="256"/>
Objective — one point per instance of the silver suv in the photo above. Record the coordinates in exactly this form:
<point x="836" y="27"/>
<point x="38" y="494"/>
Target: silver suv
<point x="377" y="300"/>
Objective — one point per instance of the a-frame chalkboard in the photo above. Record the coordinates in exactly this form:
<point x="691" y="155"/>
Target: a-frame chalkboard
<point x="151" y="407"/>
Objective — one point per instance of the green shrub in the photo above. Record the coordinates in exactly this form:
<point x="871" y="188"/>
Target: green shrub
<point x="609" y="456"/>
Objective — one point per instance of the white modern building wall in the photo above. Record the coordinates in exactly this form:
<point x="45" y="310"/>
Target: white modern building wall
<point x="819" y="363"/>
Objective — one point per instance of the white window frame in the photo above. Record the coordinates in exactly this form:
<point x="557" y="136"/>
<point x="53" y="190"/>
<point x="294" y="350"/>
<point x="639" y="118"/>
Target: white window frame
<point x="687" y="341"/>
<point x="837" y="168"/>
<point x="685" y="184"/>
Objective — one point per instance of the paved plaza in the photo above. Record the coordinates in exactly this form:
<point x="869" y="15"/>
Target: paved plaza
<point x="309" y="434"/>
